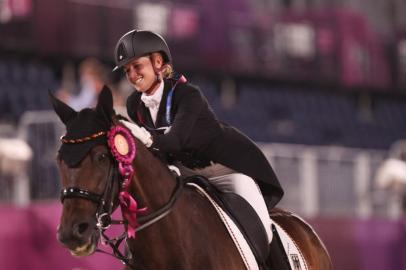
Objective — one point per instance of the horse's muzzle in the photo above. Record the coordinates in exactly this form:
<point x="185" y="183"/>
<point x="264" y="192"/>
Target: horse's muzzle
<point x="80" y="238"/>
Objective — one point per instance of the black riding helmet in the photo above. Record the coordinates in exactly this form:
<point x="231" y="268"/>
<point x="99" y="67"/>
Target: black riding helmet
<point x="137" y="43"/>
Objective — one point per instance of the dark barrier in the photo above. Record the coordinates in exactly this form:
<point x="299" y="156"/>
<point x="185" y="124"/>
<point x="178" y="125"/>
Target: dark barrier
<point x="27" y="241"/>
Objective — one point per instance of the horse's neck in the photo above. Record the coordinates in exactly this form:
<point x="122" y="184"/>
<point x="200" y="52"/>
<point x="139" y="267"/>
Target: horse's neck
<point x="153" y="183"/>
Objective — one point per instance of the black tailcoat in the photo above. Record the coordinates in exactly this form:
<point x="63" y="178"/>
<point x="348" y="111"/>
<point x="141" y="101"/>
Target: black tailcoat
<point x="196" y="137"/>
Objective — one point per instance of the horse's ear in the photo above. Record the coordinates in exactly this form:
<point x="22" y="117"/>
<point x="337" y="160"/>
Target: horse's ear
<point x="63" y="110"/>
<point x="105" y="102"/>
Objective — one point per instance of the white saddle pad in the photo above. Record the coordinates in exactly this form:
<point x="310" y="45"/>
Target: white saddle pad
<point x="295" y="256"/>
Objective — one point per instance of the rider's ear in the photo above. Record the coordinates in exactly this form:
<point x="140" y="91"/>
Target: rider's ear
<point x="63" y="110"/>
<point x="105" y="102"/>
<point x="157" y="60"/>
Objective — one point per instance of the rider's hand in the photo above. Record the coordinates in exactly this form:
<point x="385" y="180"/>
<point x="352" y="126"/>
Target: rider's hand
<point x="139" y="132"/>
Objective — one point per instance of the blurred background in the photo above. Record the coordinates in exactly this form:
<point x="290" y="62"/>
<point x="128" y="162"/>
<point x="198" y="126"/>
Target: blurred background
<point x="319" y="84"/>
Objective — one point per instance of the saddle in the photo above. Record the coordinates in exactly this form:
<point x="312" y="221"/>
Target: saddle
<point x="268" y="257"/>
<point x="245" y="218"/>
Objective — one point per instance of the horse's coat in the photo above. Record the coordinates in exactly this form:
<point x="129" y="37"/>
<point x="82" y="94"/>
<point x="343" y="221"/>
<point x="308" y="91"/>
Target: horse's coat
<point x="192" y="236"/>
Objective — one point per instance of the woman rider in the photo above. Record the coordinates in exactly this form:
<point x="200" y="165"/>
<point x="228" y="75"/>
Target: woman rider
<point x="173" y="117"/>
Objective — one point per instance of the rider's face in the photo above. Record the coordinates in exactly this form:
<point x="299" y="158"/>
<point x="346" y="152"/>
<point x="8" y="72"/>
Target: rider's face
<point x="140" y="73"/>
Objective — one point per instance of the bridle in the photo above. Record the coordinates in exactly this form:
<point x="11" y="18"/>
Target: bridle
<point x="119" y="177"/>
<point x="105" y="207"/>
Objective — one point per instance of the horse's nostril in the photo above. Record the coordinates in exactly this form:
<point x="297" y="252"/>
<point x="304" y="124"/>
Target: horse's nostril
<point x="80" y="228"/>
<point x="83" y="227"/>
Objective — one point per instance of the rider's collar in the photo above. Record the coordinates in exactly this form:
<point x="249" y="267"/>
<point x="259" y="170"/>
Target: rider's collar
<point x="153" y="101"/>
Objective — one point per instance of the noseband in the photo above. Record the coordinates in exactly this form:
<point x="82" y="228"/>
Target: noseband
<point x="105" y="201"/>
<point x="74" y="192"/>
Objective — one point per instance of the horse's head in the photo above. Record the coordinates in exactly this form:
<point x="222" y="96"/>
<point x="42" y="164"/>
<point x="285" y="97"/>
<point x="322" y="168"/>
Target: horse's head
<point x="86" y="170"/>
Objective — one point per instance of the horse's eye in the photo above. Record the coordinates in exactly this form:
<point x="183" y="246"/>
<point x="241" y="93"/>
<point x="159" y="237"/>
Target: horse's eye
<point x="102" y="157"/>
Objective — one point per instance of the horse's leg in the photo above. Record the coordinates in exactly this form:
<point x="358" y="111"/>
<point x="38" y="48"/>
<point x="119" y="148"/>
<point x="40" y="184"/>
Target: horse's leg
<point x="313" y="249"/>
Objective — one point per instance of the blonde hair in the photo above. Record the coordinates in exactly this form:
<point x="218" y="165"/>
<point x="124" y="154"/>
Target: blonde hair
<point x="166" y="69"/>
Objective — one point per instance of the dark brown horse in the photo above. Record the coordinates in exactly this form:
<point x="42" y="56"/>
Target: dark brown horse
<point x="191" y="236"/>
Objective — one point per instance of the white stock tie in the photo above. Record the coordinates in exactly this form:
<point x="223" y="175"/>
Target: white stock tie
<point x="150" y="102"/>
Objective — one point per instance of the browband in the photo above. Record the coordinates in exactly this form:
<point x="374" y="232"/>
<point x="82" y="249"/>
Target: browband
<point x="85" y="139"/>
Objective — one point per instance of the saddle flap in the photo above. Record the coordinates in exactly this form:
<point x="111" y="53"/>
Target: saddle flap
<point x="245" y="218"/>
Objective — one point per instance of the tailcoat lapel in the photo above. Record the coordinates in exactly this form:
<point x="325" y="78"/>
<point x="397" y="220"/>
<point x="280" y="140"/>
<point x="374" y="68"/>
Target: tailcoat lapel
<point x="146" y="115"/>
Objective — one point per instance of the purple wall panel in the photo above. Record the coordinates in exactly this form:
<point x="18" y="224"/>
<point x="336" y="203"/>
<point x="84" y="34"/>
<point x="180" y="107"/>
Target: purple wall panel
<point x="337" y="235"/>
<point x="381" y="244"/>
<point x="213" y="42"/>
<point x="27" y="241"/>
<point x="371" y="244"/>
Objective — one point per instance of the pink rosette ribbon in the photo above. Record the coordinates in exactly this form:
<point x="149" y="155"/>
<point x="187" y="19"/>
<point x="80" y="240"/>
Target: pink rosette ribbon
<point x="129" y="206"/>
<point x="130" y="210"/>
<point x="127" y="171"/>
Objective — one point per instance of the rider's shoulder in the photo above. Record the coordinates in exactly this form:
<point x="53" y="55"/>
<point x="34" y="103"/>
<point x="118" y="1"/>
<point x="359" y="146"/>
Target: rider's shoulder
<point x="187" y="90"/>
<point x="188" y="87"/>
<point x="133" y="99"/>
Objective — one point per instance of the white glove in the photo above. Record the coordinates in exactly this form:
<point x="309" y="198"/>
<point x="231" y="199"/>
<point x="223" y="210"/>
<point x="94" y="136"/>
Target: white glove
<point x="139" y="132"/>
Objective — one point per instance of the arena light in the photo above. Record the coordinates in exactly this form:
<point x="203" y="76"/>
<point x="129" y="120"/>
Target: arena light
<point x="5" y="12"/>
<point x="10" y="10"/>
<point x="402" y="53"/>
<point x="184" y="22"/>
<point x="295" y="39"/>
<point x="152" y="16"/>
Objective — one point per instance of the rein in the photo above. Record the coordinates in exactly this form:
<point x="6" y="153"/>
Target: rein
<point x="123" y="149"/>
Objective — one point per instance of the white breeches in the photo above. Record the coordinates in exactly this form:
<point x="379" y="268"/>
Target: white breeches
<point x="228" y="180"/>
